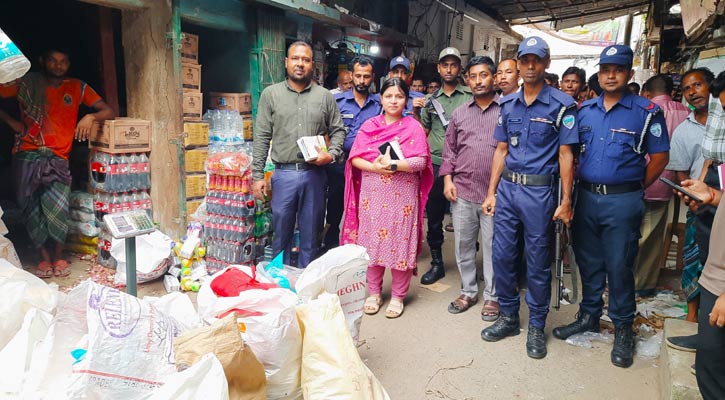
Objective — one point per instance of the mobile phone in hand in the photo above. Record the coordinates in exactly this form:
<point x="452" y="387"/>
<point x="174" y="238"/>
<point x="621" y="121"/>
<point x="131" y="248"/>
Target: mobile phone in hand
<point x="680" y="189"/>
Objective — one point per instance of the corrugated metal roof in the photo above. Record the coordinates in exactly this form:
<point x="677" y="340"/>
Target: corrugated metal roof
<point x="560" y="13"/>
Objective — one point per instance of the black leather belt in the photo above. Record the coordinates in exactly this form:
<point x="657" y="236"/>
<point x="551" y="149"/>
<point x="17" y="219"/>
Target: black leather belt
<point x="610" y="189"/>
<point x="526" y="180"/>
<point x="293" y="166"/>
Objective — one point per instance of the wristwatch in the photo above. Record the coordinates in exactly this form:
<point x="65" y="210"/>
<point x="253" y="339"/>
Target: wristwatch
<point x="393" y="166"/>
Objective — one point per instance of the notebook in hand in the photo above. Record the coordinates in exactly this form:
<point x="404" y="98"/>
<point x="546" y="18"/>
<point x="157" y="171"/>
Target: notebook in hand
<point x="396" y="153"/>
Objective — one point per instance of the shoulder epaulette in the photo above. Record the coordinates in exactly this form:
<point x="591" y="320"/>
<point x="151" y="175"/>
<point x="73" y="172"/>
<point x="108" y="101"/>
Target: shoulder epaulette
<point x="646" y="105"/>
<point x="508" y="98"/>
<point x="563" y="98"/>
<point x="589" y="102"/>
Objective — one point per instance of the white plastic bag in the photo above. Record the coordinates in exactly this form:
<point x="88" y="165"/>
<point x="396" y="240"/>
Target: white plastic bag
<point x="342" y="271"/>
<point x="152" y="257"/>
<point x="21" y="291"/>
<point x="204" y="380"/>
<point x="272" y="332"/>
<point x="331" y="366"/>
<point x="177" y="306"/>
<point x="129" y="347"/>
<point x="16" y="356"/>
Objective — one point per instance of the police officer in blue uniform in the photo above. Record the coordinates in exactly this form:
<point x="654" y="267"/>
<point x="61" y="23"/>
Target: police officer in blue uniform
<point x="617" y="131"/>
<point x="356" y="105"/>
<point x="400" y="68"/>
<point x="536" y="131"/>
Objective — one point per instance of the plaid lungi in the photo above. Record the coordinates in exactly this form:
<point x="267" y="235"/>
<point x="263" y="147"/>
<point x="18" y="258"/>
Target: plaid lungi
<point x="42" y="183"/>
<point x="692" y="268"/>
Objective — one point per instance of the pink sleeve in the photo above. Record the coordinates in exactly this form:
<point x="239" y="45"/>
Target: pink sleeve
<point x="417" y="164"/>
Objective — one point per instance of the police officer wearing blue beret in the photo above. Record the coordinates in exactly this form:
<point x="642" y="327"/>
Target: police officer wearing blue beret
<point x="617" y="131"/>
<point x="535" y="132"/>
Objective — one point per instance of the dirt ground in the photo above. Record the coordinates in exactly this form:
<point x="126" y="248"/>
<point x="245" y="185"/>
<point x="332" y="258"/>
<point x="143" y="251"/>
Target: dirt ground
<point x="429" y="354"/>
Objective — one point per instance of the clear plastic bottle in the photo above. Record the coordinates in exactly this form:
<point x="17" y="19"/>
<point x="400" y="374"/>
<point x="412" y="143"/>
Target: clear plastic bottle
<point x="123" y="176"/>
<point x="13" y="63"/>
<point x="145" y="171"/>
<point x="112" y="174"/>
<point x="134" y="172"/>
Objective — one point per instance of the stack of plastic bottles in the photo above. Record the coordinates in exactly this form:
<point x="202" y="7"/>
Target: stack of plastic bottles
<point x="230" y="222"/>
<point x="225" y="126"/>
<point x="121" y="183"/>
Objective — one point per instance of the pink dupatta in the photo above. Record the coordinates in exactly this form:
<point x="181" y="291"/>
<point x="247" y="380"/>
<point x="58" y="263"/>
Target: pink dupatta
<point x="373" y="133"/>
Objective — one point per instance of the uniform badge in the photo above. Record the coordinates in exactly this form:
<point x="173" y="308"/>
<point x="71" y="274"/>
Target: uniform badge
<point x="449" y="51"/>
<point x="531" y="42"/>
<point x="568" y="121"/>
<point x="67" y="100"/>
<point x="612" y="51"/>
<point x="500" y="121"/>
<point x="514" y="141"/>
<point x="399" y="59"/>
<point x="656" y="130"/>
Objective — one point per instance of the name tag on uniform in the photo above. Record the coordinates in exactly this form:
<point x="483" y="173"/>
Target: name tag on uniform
<point x="622" y="130"/>
<point x="348" y="115"/>
<point x="514" y="120"/>
<point x="543" y="120"/>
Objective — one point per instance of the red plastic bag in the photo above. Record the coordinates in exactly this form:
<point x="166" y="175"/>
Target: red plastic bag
<point x="234" y="281"/>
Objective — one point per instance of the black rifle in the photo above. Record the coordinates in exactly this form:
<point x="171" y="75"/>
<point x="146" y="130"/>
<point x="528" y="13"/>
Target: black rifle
<point x="558" y="255"/>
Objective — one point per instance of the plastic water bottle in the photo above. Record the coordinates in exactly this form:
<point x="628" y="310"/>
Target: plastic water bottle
<point x="13" y="63"/>
<point x="145" y="171"/>
<point x="134" y="175"/>
<point x="112" y="180"/>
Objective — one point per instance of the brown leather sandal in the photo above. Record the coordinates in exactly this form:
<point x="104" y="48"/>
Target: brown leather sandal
<point x="490" y="311"/>
<point x="461" y="304"/>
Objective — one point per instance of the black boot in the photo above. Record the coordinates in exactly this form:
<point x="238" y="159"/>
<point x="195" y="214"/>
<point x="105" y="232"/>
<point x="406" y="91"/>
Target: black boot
<point x="536" y="343"/>
<point x="505" y="325"/>
<point x="584" y="323"/>
<point x="436" y="270"/>
<point x="623" y="351"/>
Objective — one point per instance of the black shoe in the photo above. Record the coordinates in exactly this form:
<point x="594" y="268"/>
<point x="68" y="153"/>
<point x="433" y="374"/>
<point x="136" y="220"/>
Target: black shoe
<point x="683" y="343"/>
<point x="505" y="325"/>
<point x="623" y="351"/>
<point x="536" y="343"/>
<point x="436" y="270"/>
<point x="584" y="323"/>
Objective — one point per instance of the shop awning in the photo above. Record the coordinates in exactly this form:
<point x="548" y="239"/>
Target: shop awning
<point x="355" y="25"/>
<point x="560" y="13"/>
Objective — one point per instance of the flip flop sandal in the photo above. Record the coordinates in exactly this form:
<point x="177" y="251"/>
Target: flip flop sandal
<point x="62" y="268"/>
<point x="372" y="304"/>
<point x="490" y="311"/>
<point x="395" y="309"/>
<point x="44" y="270"/>
<point x="461" y="304"/>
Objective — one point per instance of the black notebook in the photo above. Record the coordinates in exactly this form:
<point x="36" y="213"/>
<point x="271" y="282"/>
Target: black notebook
<point x="396" y="153"/>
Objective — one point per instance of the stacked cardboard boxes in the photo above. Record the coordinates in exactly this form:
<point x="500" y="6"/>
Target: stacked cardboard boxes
<point x="241" y="102"/>
<point x="191" y="78"/>
<point x="196" y="139"/>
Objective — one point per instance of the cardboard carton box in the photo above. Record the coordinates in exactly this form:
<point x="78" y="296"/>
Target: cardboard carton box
<point x="191" y="77"/>
<point x="121" y="135"/>
<point x="248" y="129"/>
<point x="195" y="185"/>
<point x="190" y="48"/>
<point x="196" y="134"/>
<point x="192" y="106"/>
<point x="191" y="207"/>
<point x="241" y="102"/>
<point x="195" y="160"/>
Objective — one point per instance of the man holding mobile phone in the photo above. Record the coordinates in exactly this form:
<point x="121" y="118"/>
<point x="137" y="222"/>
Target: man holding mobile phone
<point x="617" y="130"/>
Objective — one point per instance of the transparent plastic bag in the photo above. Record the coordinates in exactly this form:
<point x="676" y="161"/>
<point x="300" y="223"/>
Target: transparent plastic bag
<point x="587" y="339"/>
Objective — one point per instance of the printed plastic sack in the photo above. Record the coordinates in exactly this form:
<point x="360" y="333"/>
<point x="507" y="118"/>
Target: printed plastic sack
<point x="21" y="292"/>
<point x="152" y="257"/>
<point x="82" y="216"/>
<point x="81" y="201"/>
<point x="129" y="346"/>
<point x="271" y="330"/>
<point x="204" y="380"/>
<point x="331" y="366"/>
<point x="245" y="374"/>
<point x="342" y="270"/>
<point x="88" y="228"/>
<point x="8" y="253"/>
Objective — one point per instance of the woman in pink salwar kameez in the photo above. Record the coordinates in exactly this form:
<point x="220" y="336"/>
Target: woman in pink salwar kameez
<point x="385" y="198"/>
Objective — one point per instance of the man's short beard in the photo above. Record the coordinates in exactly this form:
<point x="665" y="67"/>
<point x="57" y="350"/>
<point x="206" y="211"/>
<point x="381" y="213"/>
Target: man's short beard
<point x="366" y="89"/>
<point x="306" y="79"/>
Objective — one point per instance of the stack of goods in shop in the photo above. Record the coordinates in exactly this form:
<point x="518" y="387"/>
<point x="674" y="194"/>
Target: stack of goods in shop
<point x="189" y="271"/>
<point x="240" y="103"/>
<point x="196" y="139"/>
<point x="120" y="174"/>
<point x="191" y="77"/>
<point x="229" y="226"/>
<point x="82" y="228"/>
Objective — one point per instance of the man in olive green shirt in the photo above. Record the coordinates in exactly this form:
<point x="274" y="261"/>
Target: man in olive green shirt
<point x="443" y="101"/>
<point x="286" y="112"/>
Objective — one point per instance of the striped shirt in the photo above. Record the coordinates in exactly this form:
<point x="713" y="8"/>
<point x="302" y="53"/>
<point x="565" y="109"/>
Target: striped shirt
<point x="468" y="149"/>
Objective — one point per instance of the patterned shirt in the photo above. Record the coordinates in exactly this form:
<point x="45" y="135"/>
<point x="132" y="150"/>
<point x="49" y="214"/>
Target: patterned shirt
<point x="468" y="149"/>
<point x="713" y="144"/>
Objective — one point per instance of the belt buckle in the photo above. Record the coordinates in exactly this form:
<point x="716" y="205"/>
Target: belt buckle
<point x="519" y="179"/>
<point x="601" y="189"/>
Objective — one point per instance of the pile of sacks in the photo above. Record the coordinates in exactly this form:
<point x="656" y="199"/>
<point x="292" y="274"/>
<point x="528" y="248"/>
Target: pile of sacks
<point x="250" y="339"/>
<point x="82" y="226"/>
<point x="7" y="250"/>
